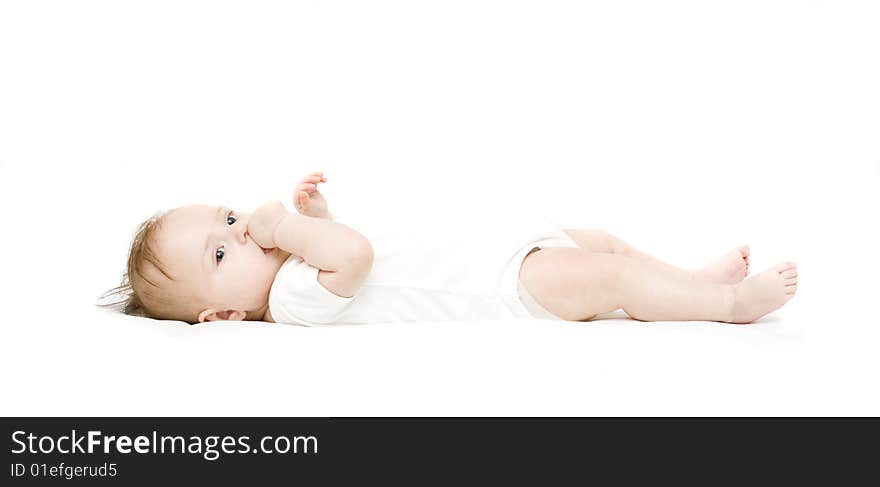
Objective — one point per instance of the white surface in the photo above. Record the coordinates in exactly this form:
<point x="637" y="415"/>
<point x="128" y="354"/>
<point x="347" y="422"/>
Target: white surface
<point x="684" y="127"/>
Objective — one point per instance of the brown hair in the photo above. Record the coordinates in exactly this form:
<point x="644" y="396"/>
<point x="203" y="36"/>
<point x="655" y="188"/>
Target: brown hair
<point x="136" y="294"/>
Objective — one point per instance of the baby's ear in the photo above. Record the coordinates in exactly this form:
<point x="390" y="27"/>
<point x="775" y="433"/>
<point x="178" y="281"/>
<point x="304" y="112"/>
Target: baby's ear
<point x="228" y="315"/>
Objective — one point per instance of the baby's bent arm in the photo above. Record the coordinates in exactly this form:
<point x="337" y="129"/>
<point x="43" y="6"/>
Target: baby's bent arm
<point x="343" y="255"/>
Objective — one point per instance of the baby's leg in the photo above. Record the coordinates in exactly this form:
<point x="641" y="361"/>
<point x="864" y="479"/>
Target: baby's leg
<point x="576" y="285"/>
<point x="730" y="268"/>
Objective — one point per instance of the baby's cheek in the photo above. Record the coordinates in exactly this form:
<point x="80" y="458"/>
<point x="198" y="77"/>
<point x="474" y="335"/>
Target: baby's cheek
<point x="256" y="285"/>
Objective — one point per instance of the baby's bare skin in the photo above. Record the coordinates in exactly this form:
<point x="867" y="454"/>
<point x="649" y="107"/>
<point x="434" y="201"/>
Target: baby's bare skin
<point x="223" y="262"/>
<point x="239" y="254"/>
<point x="606" y="274"/>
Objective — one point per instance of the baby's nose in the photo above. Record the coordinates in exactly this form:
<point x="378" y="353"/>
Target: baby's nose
<point x="241" y="233"/>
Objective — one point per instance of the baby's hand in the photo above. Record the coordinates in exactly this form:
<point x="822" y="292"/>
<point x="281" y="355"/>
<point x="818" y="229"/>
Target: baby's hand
<point x="308" y="200"/>
<point x="263" y="221"/>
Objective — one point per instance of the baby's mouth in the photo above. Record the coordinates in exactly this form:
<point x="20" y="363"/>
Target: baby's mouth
<point x="265" y="251"/>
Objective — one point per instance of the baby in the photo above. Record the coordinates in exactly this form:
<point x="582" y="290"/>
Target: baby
<point x="205" y="263"/>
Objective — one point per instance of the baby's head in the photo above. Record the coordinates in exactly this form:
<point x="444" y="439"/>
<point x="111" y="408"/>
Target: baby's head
<point x="198" y="263"/>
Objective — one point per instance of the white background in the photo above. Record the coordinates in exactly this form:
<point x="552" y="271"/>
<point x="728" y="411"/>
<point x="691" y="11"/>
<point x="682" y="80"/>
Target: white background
<point x="684" y="127"/>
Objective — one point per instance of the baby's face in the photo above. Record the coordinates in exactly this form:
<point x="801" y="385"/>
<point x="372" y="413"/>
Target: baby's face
<point x="208" y="251"/>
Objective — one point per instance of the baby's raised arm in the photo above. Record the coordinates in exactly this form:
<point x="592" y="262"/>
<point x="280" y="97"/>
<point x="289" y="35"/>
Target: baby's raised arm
<point x="344" y="255"/>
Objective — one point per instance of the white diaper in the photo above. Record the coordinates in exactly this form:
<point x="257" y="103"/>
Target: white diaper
<point x="560" y="239"/>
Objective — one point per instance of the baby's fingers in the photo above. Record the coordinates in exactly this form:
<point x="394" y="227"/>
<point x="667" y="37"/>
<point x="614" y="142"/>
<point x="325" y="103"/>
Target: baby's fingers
<point x="309" y="185"/>
<point x="314" y="177"/>
<point x="302" y="199"/>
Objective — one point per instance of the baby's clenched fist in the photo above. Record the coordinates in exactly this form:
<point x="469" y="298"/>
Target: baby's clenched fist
<point x="263" y="222"/>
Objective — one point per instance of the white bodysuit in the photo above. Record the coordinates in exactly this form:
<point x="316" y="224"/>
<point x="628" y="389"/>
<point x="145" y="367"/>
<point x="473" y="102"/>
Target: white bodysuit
<point x="435" y="271"/>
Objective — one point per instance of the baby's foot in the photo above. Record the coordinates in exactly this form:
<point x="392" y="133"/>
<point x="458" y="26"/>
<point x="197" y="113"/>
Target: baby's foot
<point x="730" y="268"/>
<point x="764" y="293"/>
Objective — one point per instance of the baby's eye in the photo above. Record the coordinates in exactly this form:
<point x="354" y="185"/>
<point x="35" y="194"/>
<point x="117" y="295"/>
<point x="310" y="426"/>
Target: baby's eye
<point x="231" y="219"/>
<point x="219" y="253"/>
